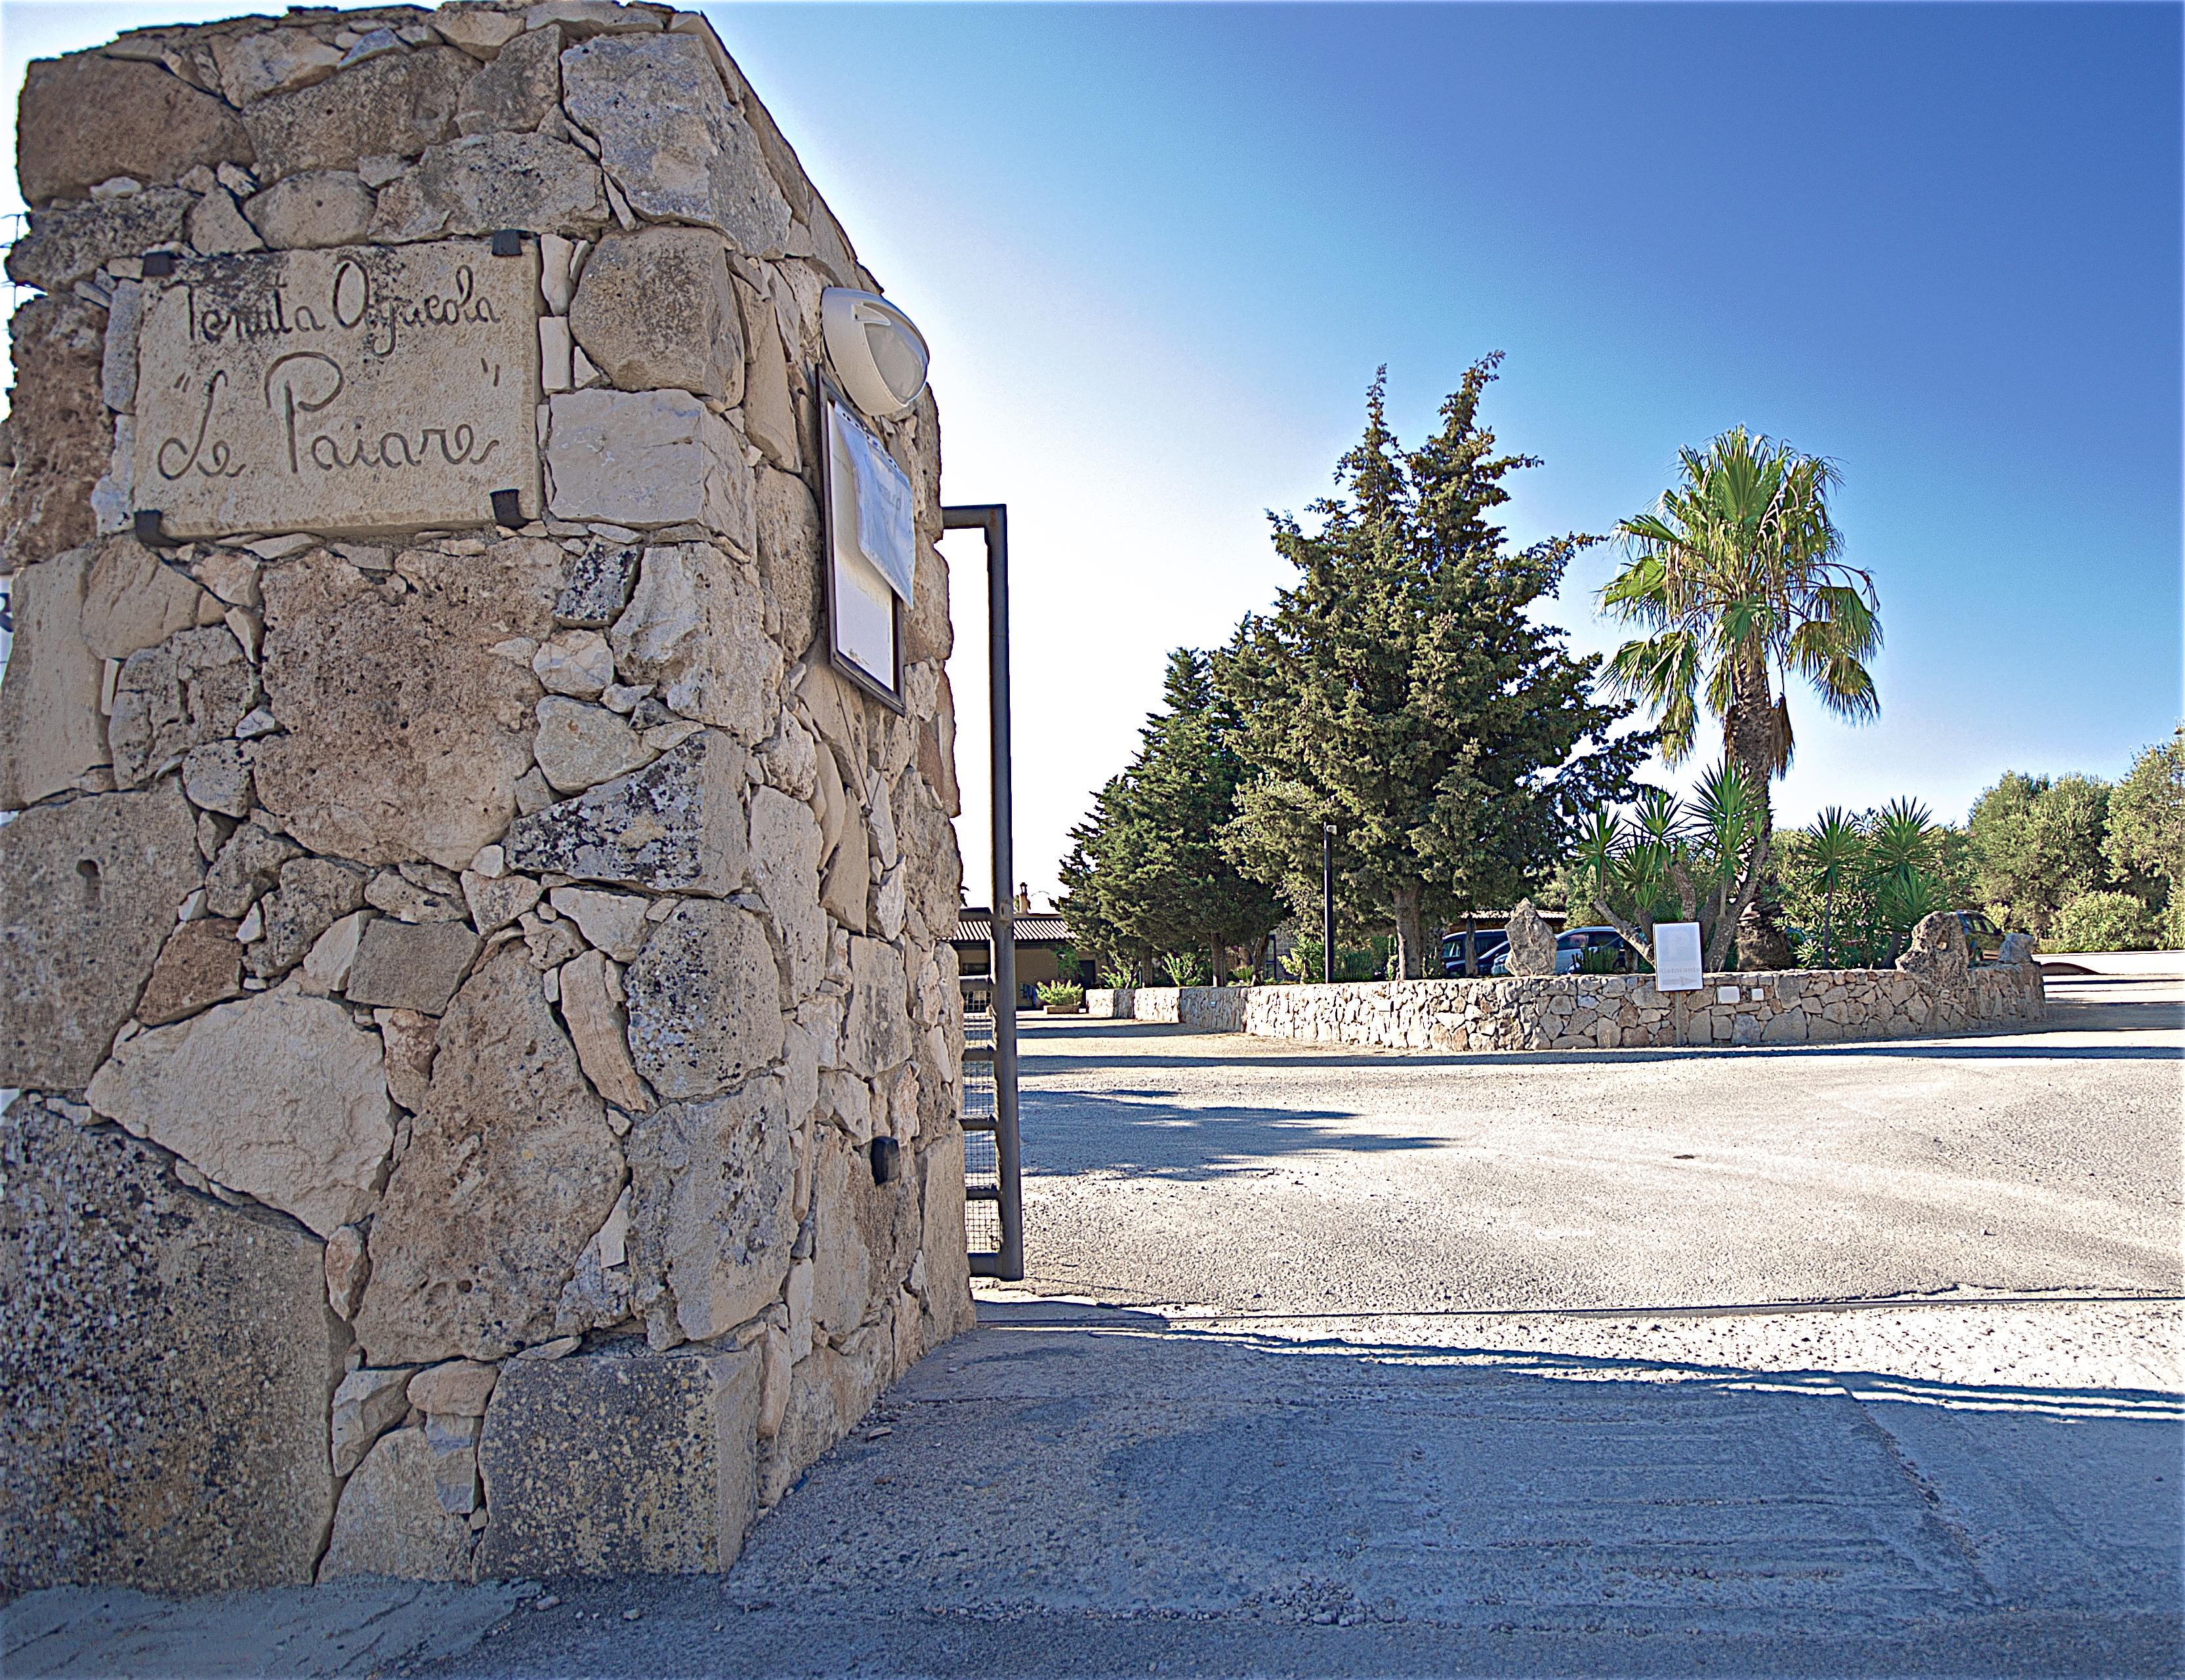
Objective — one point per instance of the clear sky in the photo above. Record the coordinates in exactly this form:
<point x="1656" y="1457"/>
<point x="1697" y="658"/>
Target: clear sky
<point x="1159" y="252"/>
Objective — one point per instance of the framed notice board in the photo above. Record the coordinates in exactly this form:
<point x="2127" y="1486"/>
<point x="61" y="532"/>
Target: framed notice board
<point x="869" y="537"/>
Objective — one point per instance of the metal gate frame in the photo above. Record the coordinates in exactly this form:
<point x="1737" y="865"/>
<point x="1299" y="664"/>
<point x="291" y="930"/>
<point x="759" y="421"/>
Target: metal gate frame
<point x="1006" y="1262"/>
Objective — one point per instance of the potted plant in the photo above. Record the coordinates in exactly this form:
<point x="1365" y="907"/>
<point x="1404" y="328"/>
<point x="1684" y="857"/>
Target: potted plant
<point x="1062" y="997"/>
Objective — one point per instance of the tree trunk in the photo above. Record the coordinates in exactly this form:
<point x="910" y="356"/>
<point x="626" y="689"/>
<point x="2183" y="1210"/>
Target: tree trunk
<point x="1748" y="736"/>
<point x="1410" y="932"/>
<point x="1734" y="905"/>
<point x="1471" y="946"/>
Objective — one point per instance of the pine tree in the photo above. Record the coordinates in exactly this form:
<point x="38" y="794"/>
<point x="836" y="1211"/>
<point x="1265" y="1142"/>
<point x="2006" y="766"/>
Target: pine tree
<point x="1147" y="871"/>
<point x="1399" y="691"/>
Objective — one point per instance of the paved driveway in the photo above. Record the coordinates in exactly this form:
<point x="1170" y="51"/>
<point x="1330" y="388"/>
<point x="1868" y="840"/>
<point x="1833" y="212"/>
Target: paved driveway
<point x="1345" y="1364"/>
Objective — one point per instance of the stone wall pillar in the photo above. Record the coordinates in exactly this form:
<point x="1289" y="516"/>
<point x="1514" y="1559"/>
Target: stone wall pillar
<point x="462" y="941"/>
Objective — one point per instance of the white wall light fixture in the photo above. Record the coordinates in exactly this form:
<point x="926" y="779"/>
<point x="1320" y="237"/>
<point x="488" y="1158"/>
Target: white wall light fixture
<point x="876" y="352"/>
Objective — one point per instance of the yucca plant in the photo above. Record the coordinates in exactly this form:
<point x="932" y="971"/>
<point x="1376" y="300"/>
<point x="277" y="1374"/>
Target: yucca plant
<point x="1839" y="851"/>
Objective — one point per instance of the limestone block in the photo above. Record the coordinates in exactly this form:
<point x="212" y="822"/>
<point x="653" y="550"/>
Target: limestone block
<point x="831" y="800"/>
<point x="401" y="966"/>
<point x="581" y="19"/>
<point x="657" y="308"/>
<point x="876" y="1033"/>
<point x="272" y="61"/>
<point x="495" y="904"/>
<point x="598" y="1029"/>
<point x="789" y="553"/>
<point x="647" y="457"/>
<point x="58" y="426"/>
<point x="491" y="180"/>
<point x="677" y="825"/>
<point x="333" y="956"/>
<point x="278" y="1096"/>
<point x="87" y="897"/>
<point x="216" y="227"/>
<point x="395" y="105"/>
<point x="670" y="138"/>
<point x="458" y="1388"/>
<point x="391" y="1523"/>
<point x="414" y="403"/>
<point x="453" y="1444"/>
<point x="50" y="730"/>
<point x="314" y="892"/>
<point x="864" y="1237"/>
<point x="168" y="1364"/>
<point x="784" y="853"/>
<point x="517" y="89"/>
<point x="597" y="584"/>
<point x="829" y="1391"/>
<point x="68" y="243"/>
<point x="770" y="412"/>
<point x="936" y="749"/>
<point x="366" y="1404"/>
<point x="217" y="776"/>
<point x="696" y="628"/>
<point x="577" y="663"/>
<point x="316" y="208"/>
<point x="620" y="1462"/>
<point x="480" y="30"/>
<point x="947" y="1307"/>
<point x="510" y="1169"/>
<point x="929" y="634"/>
<point x="248" y="865"/>
<point x="1938" y="951"/>
<point x="410" y="1039"/>
<point x="579" y="746"/>
<point x="347" y="1268"/>
<point x="1532" y="941"/>
<point x="200" y="965"/>
<point x="711" y="1217"/>
<point x="844" y="891"/>
<point x="614" y="922"/>
<point x="789" y="759"/>
<point x="705" y="1000"/>
<point x="423" y="758"/>
<point x="86" y="119"/>
<point x="192" y="688"/>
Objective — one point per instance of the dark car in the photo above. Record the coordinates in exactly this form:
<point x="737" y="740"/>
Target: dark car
<point x="1491" y="941"/>
<point x="1983" y="939"/>
<point x="1572" y="946"/>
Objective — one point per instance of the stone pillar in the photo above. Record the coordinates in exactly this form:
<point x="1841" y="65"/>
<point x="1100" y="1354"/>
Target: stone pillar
<point x="462" y="940"/>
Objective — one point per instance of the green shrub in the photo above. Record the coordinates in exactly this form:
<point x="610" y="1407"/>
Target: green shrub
<point x="1117" y="974"/>
<point x="1061" y="994"/>
<point x="1244" y="974"/>
<point x="2101" y="921"/>
<point x="1302" y="964"/>
<point x="1184" y="967"/>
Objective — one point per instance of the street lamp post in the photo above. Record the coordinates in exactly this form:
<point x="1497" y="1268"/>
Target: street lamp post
<point x="1327" y="903"/>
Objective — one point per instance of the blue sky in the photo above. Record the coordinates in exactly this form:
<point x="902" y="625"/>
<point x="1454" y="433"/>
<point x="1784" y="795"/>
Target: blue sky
<point x="1159" y="252"/>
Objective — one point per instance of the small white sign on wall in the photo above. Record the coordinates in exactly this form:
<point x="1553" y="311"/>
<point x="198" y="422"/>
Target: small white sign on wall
<point x="872" y="550"/>
<point x="1677" y="956"/>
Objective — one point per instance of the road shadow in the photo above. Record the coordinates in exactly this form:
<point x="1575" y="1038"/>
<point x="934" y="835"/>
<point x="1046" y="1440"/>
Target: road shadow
<point x="1960" y="1050"/>
<point x="1143" y="1132"/>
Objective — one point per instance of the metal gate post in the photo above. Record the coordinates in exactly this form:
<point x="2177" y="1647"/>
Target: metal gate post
<point x="993" y="519"/>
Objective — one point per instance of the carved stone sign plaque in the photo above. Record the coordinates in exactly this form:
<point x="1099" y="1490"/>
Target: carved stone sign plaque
<point x="366" y="388"/>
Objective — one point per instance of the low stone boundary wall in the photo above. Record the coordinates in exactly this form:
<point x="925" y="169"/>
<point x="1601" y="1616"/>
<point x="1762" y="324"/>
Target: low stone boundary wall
<point x="1597" y="1012"/>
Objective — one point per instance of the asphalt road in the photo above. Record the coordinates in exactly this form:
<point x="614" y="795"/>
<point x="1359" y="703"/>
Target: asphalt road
<point x="1251" y="1175"/>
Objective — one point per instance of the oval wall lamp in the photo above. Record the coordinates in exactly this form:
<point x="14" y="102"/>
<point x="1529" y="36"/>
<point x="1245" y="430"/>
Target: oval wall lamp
<point x="875" y="350"/>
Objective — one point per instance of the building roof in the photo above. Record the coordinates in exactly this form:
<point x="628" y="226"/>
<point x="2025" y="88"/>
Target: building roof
<point x="975" y="926"/>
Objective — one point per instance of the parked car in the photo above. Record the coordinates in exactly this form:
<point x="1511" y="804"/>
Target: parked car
<point x="1573" y="944"/>
<point x="1491" y="942"/>
<point x="1983" y="939"/>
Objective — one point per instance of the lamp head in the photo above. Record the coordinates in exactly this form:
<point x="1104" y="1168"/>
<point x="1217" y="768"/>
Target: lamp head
<point x="875" y="350"/>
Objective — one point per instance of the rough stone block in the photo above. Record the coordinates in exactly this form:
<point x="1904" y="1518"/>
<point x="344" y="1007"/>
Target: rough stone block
<point x="192" y="688"/>
<point x="599" y="1030"/>
<point x="68" y="243"/>
<point x="200" y="965"/>
<point x="391" y="1522"/>
<point x="657" y="308"/>
<point x="785" y="842"/>
<point x="86" y="119"/>
<point x="829" y="1391"/>
<point x="705" y="1000"/>
<point x="87" y="897"/>
<point x="517" y="89"/>
<point x="491" y="180"/>
<point x="395" y="105"/>
<point x="789" y="546"/>
<point x="614" y="922"/>
<point x="696" y="628"/>
<point x="947" y="1307"/>
<point x="168" y="1364"/>
<point x="366" y="1405"/>
<point x="423" y="759"/>
<point x="314" y="893"/>
<point x="272" y="61"/>
<point x="865" y="1235"/>
<point x="217" y="776"/>
<point x="678" y="825"/>
<point x="58" y="426"/>
<point x="769" y="411"/>
<point x="132" y="602"/>
<point x="402" y="393"/>
<point x="316" y="208"/>
<point x="579" y="746"/>
<point x="620" y="1462"/>
<point x="597" y="584"/>
<point x="710" y="1212"/>
<point x="647" y="458"/>
<point x="876" y="1032"/>
<point x="279" y="1096"/>
<point x="405" y="966"/>
<point x="510" y="1169"/>
<point x="671" y="140"/>
<point x="51" y="733"/>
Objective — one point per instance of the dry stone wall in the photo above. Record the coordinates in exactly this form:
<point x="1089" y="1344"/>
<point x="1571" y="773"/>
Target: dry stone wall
<point x="462" y="942"/>
<point x="1604" y="1011"/>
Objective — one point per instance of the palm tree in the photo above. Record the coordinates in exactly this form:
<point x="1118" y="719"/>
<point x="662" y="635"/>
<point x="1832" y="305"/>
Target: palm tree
<point x="1736" y="578"/>
<point x="1839" y="848"/>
